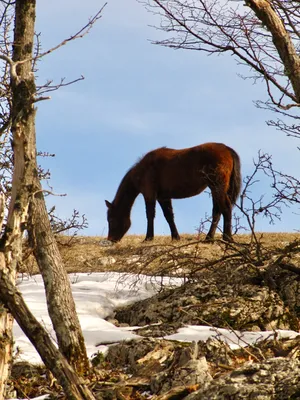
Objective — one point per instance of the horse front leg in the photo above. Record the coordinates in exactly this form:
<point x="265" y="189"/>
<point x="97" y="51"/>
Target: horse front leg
<point x="150" y="213"/>
<point x="166" y="206"/>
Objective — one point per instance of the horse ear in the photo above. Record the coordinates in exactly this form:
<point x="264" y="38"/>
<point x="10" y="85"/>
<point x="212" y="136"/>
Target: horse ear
<point x="108" y="204"/>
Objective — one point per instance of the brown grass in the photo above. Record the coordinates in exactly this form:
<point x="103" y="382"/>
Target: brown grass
<point x="132" y="254"/>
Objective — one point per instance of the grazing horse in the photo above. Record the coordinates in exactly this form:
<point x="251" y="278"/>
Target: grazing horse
<point x="164" y="174"/>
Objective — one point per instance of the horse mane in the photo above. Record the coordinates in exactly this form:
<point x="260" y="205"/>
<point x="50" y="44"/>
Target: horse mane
<point x="148" y="154"/>
<point x="127" y="191"/>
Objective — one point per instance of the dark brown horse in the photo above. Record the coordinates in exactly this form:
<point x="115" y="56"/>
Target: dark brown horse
<point x="164" y="174"/>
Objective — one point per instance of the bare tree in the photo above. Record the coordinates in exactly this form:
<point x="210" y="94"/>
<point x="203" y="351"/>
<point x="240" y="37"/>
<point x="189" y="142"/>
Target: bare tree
<point x="27" y="211"/>
<point x="262" y="35"/>
<point x="284" y="193"/>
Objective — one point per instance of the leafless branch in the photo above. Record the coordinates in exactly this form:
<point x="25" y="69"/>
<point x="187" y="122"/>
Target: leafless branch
<point x="80" y="34"/>
<point x="50" y="87"/>
<point x="261" y="35"/>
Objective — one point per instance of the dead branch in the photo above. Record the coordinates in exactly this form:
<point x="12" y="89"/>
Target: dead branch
<point x="263" y="37"/>
<point x="79" y="34"/>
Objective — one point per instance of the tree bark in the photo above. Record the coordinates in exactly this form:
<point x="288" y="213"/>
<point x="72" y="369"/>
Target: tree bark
<point x="60" y="302"/>
<point x="281" y="39"/>
<point x="6" y="345"/>
<point x="23" y="143"/>
<point x="26" y="188"/>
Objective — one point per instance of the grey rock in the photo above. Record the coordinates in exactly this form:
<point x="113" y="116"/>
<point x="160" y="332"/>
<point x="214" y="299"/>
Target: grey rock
<point x="275" y="378"/>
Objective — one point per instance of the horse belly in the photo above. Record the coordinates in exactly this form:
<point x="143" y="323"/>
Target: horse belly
<point x="178" y="180"/>
<point x="179" y="191"/>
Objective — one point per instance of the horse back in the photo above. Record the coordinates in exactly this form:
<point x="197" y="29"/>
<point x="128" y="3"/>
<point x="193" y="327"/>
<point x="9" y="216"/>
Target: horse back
<point x="186" y="172"/>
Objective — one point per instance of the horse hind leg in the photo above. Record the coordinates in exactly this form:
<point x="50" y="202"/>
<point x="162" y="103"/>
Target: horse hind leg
<point x="216" y="215"/>
<point x="221" y="206"/>
<point x="166" y="206"/>
<point x="227" y="216"/>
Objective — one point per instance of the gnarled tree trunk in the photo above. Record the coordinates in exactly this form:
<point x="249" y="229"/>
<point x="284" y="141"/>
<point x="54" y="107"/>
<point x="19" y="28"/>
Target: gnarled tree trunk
<point x="26" y="189"/>
<point x="60" y="302"/>
<point x="6" y="343"/>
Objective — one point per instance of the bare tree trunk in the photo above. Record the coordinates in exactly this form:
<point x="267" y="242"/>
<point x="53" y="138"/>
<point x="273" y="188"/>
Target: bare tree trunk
<point x="6" y="325"/>
<point x="6" y="344"/>
<point x="72" y="385"/>
<point x="23" y="117"/>
<point x="60" y="302"/>
<point x="25" y="186"/>
<point x="281" y="39"/>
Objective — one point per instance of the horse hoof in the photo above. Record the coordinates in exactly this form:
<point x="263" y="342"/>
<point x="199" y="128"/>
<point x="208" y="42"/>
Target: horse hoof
<point x="148" y="239"/>
<point x="176" y="237"/>
<point x="106" y="243"/>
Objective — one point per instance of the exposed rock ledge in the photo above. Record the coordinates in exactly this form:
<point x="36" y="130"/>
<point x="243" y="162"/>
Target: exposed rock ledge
<point x="211" y="370"/>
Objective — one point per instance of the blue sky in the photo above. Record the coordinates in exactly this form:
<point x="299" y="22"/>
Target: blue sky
<point x="137" y="96"/>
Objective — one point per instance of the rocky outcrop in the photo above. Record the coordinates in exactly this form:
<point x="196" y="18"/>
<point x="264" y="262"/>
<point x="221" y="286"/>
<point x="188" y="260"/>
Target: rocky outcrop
<point x="212" y="300"/>
<point x="165" y="364"/>
<point x="210" y="370"/>
<point x="276" y="378"/>
<point x="243" y="299"/>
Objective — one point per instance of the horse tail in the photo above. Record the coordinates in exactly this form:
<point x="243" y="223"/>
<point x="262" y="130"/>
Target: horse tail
<point x="235" y="178"/>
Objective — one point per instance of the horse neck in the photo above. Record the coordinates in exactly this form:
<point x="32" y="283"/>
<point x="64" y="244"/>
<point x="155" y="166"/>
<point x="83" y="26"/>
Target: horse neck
<point x="126" y="194"/>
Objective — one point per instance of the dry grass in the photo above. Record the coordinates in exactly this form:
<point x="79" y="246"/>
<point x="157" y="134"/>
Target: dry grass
<point x="132" y="254"/>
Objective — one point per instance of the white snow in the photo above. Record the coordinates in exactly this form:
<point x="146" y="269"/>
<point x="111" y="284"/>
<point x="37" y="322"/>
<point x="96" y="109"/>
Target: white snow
<point x="97" y="295"/>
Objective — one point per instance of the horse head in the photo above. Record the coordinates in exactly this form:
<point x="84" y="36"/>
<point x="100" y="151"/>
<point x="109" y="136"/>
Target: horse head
<point x="118" y="222"/>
